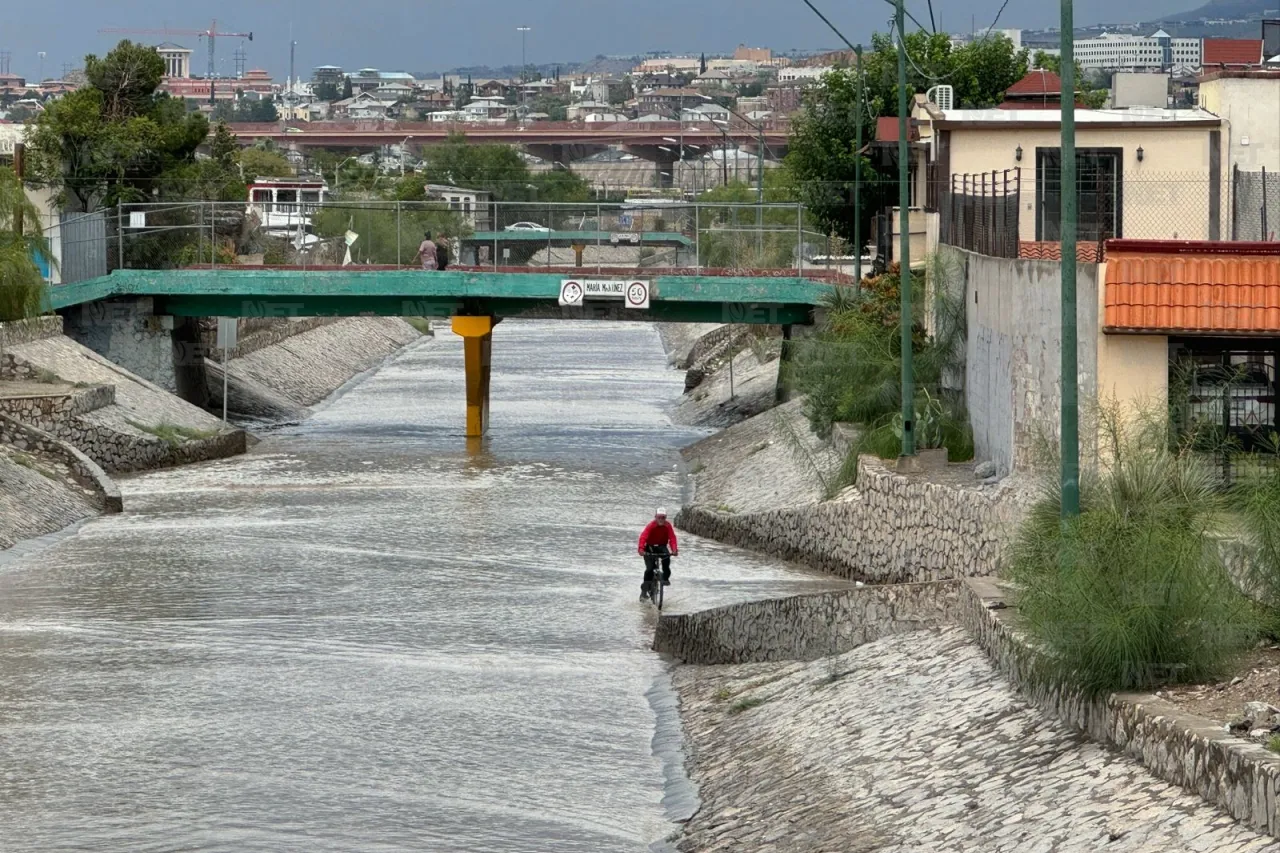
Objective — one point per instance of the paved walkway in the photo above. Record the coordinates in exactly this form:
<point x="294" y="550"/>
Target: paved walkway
<point x="911" y="744"/>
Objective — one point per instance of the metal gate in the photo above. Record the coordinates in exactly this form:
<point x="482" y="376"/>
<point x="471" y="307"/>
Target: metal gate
<point x="83" y="239"/>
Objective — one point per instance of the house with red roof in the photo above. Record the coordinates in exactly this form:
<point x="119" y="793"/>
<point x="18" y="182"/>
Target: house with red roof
<point x="1231" y="54"/>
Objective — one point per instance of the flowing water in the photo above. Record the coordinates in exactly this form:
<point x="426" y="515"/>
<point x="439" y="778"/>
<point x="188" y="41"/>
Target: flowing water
<point x="363" y="637"/>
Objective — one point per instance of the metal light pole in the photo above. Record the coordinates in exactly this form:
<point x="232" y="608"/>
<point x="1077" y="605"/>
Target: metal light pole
<point x="904" y="252"/>
<point x="1070" y="426"/>
<point x="857" y="177"/>
<point x="524" y="61"/>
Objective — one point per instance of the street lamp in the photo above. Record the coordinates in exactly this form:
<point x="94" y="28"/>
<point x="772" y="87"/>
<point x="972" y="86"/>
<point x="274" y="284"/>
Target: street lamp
<point x="337" y="173"/>
<point x="524" y="61"/>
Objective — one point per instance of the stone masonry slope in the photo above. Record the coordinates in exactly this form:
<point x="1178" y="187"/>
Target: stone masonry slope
<point x="35" y="497"/>
<point x="770" y="461"/>
<point x="137" y="399"/>
<point x="915" y="743"/>
<point x="308" y="367"/>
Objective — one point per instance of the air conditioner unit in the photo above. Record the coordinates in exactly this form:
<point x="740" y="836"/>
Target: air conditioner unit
<point x="943" y="97"/>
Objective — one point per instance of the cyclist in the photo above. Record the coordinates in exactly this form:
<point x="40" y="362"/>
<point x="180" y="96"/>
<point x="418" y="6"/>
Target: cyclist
<point x="657" y="541"/>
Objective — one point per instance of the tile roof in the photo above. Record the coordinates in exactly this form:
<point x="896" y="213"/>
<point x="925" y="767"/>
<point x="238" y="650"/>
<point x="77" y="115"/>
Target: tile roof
<point x="1184" y="287"/>
<point x="1236" y="52"/>
<point x="1037" y="83"/>
<point x="887" y="129"/>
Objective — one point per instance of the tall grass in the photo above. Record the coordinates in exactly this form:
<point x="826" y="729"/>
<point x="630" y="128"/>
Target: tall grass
<point x="1133" y="592"/>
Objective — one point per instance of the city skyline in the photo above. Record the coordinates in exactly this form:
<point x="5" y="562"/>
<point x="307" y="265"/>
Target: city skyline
<point x="447" y="34"/>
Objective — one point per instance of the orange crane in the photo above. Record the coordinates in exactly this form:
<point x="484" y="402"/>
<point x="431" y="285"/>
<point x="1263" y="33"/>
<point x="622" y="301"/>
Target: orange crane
<point x="211" y="35"/>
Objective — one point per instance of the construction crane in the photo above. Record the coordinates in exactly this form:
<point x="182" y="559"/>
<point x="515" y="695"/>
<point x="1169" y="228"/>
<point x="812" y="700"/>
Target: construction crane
<point x="211" y="35"/>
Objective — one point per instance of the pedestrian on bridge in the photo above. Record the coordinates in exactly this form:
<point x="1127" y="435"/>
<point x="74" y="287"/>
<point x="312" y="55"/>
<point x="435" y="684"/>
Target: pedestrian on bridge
<point x="427" y="253"/>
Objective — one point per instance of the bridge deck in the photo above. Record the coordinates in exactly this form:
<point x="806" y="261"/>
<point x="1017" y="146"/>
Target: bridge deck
<point x="395" y="291"/>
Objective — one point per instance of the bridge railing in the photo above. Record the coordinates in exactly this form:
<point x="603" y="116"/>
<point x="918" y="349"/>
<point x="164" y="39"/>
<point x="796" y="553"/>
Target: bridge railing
<point x="650" y="235"/>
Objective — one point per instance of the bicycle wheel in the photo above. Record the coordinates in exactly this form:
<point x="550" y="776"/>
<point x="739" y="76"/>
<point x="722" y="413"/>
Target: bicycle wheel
<point x="656" y="595"/>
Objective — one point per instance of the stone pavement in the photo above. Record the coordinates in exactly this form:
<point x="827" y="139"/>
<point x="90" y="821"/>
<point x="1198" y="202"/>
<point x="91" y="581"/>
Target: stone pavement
<point x="915" y="743"/>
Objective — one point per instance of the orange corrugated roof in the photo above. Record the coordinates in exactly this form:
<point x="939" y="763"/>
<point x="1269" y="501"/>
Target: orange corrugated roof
<point x="1183" y="287"/>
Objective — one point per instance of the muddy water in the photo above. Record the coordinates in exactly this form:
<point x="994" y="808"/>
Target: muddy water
<point x="362" y="636"/>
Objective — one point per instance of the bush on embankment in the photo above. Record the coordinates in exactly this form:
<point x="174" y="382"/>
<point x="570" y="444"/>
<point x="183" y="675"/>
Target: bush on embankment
<point x="1133" y="592"/>
<point x="851" y="370"/>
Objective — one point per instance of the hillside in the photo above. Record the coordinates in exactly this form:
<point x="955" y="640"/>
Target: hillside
<point x="1230" y="10"/>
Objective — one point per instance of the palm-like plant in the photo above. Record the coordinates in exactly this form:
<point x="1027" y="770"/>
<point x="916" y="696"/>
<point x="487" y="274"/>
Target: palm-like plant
<point x="21" y="285"/>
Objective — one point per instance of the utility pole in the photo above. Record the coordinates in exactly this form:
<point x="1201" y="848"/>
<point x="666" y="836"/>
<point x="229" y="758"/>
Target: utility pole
<point x="857" y="176"/>
<point x="904" y="252"/>
<point x="1070" y="426"/>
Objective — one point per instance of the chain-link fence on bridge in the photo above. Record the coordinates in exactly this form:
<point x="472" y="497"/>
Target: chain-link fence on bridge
<point x="653" y="235"/>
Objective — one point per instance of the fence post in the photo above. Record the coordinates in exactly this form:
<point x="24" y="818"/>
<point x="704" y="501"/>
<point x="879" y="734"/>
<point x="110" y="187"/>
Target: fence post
<point x="599" y="236"/>
<point x="799" y="241"/>
<point x="1235" y="202"/>
<point x="697" y="236"/>
<point x="1266" y="234"/>
<point x="213" y="236"/>
<point x="119" y="235"/>
<point x="399" y="259"/>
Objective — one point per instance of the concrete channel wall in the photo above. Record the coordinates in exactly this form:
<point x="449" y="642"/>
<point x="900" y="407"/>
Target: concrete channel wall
<point x="804" y="627"/>
<point x="86" y="472"/>
<point x="890" y="528"/>
<point x="1195" y="753"/>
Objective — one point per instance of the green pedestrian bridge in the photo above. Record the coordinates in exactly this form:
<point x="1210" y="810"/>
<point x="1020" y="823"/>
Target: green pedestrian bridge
<point x="476" y="299"/>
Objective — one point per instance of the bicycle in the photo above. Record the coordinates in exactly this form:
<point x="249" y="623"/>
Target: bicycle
<point x="653" y="589"/>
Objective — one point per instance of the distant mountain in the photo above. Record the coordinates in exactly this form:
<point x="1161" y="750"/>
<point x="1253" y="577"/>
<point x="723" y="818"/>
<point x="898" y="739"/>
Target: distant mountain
<point x="1230" y="10"/>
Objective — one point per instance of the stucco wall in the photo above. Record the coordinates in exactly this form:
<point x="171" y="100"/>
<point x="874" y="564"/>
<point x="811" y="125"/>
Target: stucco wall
<point x="1133" y="371"/>
<point x="804" y="627"/>
<point x="1250" y="110"/>
<point x="1166" y="196"/>
<point x="129" y="334"/>
<point x="1013" y="353"/>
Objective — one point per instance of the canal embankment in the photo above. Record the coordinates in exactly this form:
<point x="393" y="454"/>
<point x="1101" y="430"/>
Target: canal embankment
<point x="72" y="418"/>
<point x="906" y="713"/>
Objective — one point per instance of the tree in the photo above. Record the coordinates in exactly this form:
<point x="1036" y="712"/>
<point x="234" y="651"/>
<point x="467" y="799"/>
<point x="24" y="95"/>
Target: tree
<point x="127" y="78"/>
<point x="823" y="160"/>
<point x="980" y="72"/>
<point x="114" y="139"/>
<point x="21" y="285"/>
<point x="326" y="91"/>
<point x="623" y="93"/>
<point x="346" y="89"/>
<point x="218" y="178"/>
<point x="497" y="169"/>
<point x="702" y="64"/>
<point x="258" y="163"/>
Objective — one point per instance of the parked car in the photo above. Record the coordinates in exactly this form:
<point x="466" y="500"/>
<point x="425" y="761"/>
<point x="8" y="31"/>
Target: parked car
<point x="526" y="226"/>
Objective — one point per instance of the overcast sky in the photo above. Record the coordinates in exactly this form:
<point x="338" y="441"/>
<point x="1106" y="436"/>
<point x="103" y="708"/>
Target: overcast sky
<point x="419" y="35"/>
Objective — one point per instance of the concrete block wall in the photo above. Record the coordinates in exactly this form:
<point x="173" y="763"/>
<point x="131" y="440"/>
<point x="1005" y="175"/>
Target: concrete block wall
<point x="890" y="528"/>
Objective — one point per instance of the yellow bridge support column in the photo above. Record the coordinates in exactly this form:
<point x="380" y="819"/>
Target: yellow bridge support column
<point x="477" y="339"/>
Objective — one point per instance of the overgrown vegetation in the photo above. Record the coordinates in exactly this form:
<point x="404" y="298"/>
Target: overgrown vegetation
<point x="851" y="371"/>
<point x="1133" y="592"/>
<point x="22" y="288"/>
<point x="173" y="434"/>
<point x="746" y="704"/>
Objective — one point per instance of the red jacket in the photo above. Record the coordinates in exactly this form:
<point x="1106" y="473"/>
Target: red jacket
<point x="655" y="534"/>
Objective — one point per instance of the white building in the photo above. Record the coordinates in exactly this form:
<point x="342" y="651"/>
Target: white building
<point x="802" y="73"/>
<point x="487" y="109"/>
<point x="177" y="60"/>
<point x="1157" y="52"/>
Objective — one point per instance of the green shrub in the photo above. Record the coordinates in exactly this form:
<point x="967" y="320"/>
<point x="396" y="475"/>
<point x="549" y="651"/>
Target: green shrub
<point x="1133" y="592"/>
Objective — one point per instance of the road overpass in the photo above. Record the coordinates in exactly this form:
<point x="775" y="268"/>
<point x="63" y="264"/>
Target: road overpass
<point x="555" y="142"/>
